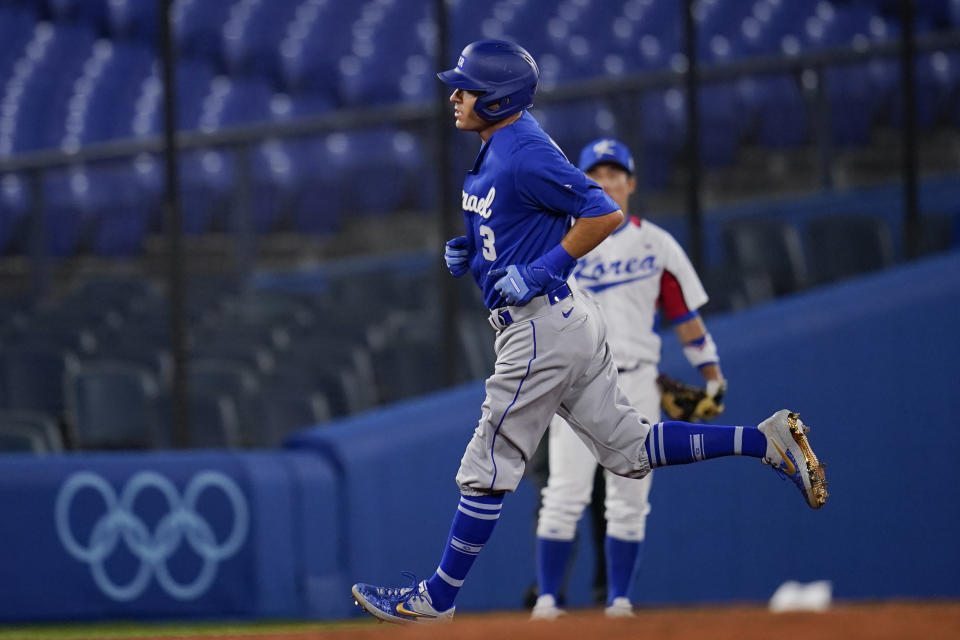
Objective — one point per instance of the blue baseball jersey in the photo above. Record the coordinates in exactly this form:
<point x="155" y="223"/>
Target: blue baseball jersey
<point x="520" y="199"/>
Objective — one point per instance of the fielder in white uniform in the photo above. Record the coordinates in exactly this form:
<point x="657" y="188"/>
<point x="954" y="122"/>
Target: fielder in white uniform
<point x="636" y="271"/>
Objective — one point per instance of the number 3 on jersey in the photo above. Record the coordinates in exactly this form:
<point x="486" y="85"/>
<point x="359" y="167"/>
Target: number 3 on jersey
<point x="489" y="251"/>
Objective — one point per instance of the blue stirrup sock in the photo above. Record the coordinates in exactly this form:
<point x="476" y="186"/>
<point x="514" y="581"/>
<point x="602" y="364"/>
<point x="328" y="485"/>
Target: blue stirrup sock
<point x="675" y="442"/>
<point x="622" y="556"/>
<point x="472" y="525"/>
<point x="552" y="559"/>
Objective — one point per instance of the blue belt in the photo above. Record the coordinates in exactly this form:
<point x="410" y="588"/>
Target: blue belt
<point x="504" y="319"/>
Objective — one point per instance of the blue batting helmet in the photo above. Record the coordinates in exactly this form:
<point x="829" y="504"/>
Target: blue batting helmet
<point x="503" y="70"/>
<point x="605" y="151"/>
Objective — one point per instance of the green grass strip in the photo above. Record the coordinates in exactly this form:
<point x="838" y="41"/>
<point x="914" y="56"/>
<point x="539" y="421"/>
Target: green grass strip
<point x="98" y="630"/>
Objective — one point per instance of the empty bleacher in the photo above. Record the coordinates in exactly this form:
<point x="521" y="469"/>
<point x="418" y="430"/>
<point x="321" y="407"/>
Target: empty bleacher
<point x="264" y="359"/>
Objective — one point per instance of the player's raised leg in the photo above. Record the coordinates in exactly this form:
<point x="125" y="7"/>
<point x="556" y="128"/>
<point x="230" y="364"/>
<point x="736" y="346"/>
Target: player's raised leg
<point x="606" y="425"/>
<point x="779" y="441"/>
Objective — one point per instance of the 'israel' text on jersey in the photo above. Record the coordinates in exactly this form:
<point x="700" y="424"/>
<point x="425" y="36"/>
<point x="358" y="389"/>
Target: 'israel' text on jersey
<point x="480" y="205"/>
<point x="538" y="192"/>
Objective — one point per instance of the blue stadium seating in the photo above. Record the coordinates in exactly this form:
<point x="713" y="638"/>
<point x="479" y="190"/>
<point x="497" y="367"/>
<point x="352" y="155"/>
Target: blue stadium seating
<point x="130" y="20"/>
<point x="938" y="90"/>
<point x="572" y="125"/>
<point x="841" y="246"/>
<point x="663" y="127"/>
<point x="113" y="406"/>
<point x="767" y="247"/>
<point x="216" y="377"/>
<point x="198" y="26"/>
<point x="31" y="431"/>
<point x="14" y="209"/>
<point x="31" y="378"/>
<point x="75" y="72"/>
<point x="72" y="199"/>
<point x="214" y="422"/>
<point x="94" y="13"/>
<point x="252" y="35"/>
<point x="770" y="101"/>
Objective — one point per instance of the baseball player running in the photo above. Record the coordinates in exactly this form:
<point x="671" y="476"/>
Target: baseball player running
<point x="551" y="351"/>
<point x="638" y="268"/>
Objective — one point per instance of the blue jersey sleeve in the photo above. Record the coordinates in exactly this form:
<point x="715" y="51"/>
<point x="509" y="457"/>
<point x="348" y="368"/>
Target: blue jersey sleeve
<point x="545" y="178"/>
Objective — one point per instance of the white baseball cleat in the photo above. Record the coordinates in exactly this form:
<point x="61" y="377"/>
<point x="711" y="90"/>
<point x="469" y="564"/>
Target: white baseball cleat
<point x="789" y="452"/>
<point x="619" y="608"/>
<point x="546" y="609"/>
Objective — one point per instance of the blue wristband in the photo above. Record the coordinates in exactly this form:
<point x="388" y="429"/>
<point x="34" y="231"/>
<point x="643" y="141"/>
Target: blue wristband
<point x="558" y="262"/>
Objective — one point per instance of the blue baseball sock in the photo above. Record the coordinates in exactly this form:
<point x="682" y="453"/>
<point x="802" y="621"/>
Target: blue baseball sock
<point x="472" y="525"/>
<point x="552" y="559"/>
<point x="674" y="442"/>
<point x="622" y="556"/>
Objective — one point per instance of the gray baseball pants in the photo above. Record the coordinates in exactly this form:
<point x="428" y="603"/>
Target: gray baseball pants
<point x="552" y="358"/>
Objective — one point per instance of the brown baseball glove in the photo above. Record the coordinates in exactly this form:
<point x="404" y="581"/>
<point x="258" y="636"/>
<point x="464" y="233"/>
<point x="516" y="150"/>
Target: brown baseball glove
<point x="686" y="402"/>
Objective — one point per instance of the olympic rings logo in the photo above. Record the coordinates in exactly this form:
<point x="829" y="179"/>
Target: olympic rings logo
<point x="152" y="549"/>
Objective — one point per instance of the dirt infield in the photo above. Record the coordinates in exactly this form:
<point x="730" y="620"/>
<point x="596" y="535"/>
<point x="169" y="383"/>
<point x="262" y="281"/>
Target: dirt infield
<point x="929" y="621"/>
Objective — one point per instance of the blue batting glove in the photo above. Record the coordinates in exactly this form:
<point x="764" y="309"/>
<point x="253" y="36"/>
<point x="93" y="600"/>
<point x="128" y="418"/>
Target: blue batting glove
<point x="457" y="256"/>
<point x="515" y="284"/>
<point x="519" y="283"/>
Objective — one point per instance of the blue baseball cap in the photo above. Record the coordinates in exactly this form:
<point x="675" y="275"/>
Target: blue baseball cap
<point x="605" y="150"/>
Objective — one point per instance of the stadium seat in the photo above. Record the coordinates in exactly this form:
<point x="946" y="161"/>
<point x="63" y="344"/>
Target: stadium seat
<point x="719" y="125"/>
<point x="129" y="19"/>
<point x="32" y="378"/>
<point x="18" y="440"/>
<point x="45" y="332"/>
<point x="286" y="410"/>
<point x="93" y="12"/>
<point x="767" y="246"/>
<point x="131" y="351"/>
<point x="407" y="360"/>
<point x="853" y="105"/>
<point x="391" y="159"/>
<point x="277" y="168"/>
<point x="573" y="125"/>
<point x="113" y="406"/>
<point x="314" y="44"/>
<point x="29" y="431"/>
<point x="258" y="359"/>
<point x="341" y="387"/>
<point x="841" y="246"/>
<point x="119" y="226"/>
<point x="774" y="111"/>
<point x="45" y="99"/>
<point x="108" y="291"/>
<point x="226" y="378"/>
<point x="938" y="88"/>
<point x="206" y="191"/>
<point x="198" y="25"/>
<point x="73" y="198"/>
<point x="730" y="290"/>
<point x="663" y="124"/>
<point x="15" y="314"/>
<point x="252" y="34"/>
<point x="14" y="210"/>
<point x="214" y="420"/>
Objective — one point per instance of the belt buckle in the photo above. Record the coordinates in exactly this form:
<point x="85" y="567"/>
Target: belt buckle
<point x="504" y="319"/>
<point x="560" y="293"/>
